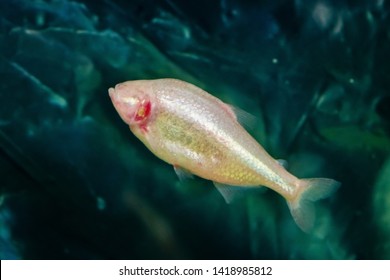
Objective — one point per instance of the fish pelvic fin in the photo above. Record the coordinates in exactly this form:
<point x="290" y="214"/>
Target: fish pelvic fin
<point x="302" y="205"/>
<point x="182" y="173"/>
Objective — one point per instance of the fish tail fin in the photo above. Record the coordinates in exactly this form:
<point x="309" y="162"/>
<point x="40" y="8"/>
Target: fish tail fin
<point x="309" y="191"/>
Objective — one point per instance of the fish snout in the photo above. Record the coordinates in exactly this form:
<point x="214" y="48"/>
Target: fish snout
<point x="116" y="100"/>
<point x="124" y="103"/>
<point x="111" y="92"/>
<point x="117" y="92"/>
<point x="114" y="91"/>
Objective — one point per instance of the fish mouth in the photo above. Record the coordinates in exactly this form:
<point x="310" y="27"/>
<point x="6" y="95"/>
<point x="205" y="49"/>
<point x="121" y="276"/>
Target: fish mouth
<point x="111" y="92"/>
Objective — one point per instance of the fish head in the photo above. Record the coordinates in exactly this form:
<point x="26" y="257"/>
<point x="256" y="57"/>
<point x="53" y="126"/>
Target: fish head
<point x="132" y="102"/>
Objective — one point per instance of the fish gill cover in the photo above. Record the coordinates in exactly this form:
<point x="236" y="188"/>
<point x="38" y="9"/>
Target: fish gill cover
<point x="75" y="184"/>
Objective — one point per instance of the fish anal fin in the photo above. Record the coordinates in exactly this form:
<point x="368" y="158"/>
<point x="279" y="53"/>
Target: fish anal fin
<point x="182" y="173"/>
<point x="230" y="193"/>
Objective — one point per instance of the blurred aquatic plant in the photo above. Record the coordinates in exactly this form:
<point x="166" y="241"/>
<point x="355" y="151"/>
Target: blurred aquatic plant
<point x="76" y="184"/>
<point x="380" y="204"/>
<point x="8" y="249"/>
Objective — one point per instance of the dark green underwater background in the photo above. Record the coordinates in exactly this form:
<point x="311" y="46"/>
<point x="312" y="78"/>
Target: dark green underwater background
<point x="76" y="184"/>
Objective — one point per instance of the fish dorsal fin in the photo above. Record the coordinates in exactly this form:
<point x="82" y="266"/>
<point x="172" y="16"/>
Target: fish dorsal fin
<point x="243" y="117"/>
<point x="182" y="173"/>
<point x="229" y="193"/>
<point x="283" y="163"/>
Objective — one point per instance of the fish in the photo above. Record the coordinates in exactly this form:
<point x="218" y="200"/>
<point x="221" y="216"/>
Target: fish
<point x="199" y="134"/>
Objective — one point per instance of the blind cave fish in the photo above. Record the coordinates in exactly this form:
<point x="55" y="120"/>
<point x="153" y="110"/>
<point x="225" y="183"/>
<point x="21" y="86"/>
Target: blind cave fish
<point x="198" y="133"/>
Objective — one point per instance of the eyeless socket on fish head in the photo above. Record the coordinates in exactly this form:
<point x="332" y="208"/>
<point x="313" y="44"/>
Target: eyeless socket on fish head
<point x="130" y="102"/>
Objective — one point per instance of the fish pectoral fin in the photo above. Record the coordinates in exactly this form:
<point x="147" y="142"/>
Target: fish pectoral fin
<point x="229" y="193"/>
<point x="182" y="173"/>
<point x="283" y="163"/>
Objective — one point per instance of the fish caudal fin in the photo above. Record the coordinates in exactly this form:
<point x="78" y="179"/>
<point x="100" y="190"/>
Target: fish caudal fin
<point x="309" y="191"/>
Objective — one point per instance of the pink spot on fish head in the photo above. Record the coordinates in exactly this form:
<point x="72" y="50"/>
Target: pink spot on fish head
<point x="132" y="103"/>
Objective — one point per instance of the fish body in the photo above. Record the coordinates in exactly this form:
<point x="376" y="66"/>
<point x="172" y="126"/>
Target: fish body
<point x="194" y="131"/>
